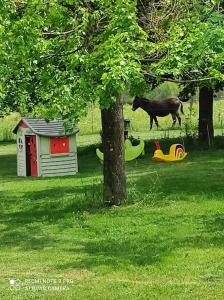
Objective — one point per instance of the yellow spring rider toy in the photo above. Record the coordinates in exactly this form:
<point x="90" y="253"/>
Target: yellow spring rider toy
<point x="176" y="153"/>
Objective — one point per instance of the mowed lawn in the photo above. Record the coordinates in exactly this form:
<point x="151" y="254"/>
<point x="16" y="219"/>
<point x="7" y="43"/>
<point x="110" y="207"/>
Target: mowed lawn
<point x="167" y="242"/>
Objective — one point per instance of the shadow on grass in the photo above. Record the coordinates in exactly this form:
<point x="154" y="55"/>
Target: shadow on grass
<point x="25" y="227"/>
<point x="200" y="174"/>
<point x="24" y="214"/>
<point x="140" y="248"/>
<point x="116" y="243"/>
<point x="7" y="166"/>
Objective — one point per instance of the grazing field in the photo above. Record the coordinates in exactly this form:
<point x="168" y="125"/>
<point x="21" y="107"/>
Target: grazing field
<point x="91" y="124"/>
<point x="167" y="242"/>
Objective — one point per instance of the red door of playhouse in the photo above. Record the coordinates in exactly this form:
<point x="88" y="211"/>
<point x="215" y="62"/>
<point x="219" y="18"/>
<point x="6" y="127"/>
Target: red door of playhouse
<point x="31" y="155"/>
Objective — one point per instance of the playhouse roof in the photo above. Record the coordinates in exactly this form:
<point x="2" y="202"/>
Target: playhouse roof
<point x="46" y="128"/>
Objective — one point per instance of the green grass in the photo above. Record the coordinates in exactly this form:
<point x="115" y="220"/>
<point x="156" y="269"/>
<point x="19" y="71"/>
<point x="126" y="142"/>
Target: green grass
<point x="91" y="124"/>
<point x="165" y="243"/>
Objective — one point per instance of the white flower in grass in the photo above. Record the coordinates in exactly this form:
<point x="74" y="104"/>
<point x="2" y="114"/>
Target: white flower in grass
<point x="12" y="282"/>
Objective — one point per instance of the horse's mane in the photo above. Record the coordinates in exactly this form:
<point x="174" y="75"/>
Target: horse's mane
<point x="143" y="99"/>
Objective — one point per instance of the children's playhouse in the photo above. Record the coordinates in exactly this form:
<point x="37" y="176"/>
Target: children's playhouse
<point x="45" y="148"/>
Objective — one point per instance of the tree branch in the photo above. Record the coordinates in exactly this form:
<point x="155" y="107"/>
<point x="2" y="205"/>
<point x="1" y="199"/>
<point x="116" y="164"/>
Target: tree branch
<point x="54" y="34"/>
<point x="177" y="80"/>
<point x="62" y="54"/>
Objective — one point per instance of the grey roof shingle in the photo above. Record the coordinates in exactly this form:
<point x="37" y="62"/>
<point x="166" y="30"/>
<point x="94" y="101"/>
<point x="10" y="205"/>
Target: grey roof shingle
<point x="46" y="128"/>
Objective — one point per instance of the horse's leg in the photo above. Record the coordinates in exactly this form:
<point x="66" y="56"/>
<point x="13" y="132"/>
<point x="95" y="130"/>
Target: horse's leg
<point x="151" y="122"/>
<point x="179" y="118"/>
<point x="174" y="119"/>
<point x="156" y="121"/>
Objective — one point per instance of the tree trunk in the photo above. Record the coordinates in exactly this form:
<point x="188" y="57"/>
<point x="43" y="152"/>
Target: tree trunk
<point x="205" y="128"/>
<point x="114" y="190"/>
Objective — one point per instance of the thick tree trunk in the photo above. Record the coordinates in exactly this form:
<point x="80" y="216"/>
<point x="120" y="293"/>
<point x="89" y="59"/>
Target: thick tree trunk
<point x="205" y="128"/>
<point x="115" y="192"/>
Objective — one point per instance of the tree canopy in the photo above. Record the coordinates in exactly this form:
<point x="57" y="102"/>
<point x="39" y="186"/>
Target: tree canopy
<point x="57" y="56"/>
<point x="188" y="47"/>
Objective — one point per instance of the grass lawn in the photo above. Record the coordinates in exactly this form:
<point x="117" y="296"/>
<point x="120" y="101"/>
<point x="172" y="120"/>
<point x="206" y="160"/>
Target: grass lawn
<point x="166" y="243"/>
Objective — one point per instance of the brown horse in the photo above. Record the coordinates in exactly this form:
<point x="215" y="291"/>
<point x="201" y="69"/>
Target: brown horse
<point x="159" y="108"/>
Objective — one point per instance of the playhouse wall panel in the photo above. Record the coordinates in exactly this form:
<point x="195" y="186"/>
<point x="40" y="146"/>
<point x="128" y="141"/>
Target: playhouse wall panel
<point x="52" y="163"/>
<point x="73" y="144"/>
<point x="59" y="165"/>
<point x="52" y="174"/>
<point x="21" y="153"/>
<point x="44" y="145"/>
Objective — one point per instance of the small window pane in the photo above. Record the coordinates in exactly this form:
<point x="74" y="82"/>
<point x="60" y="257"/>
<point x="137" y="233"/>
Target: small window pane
<point x="59" y="145"/>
